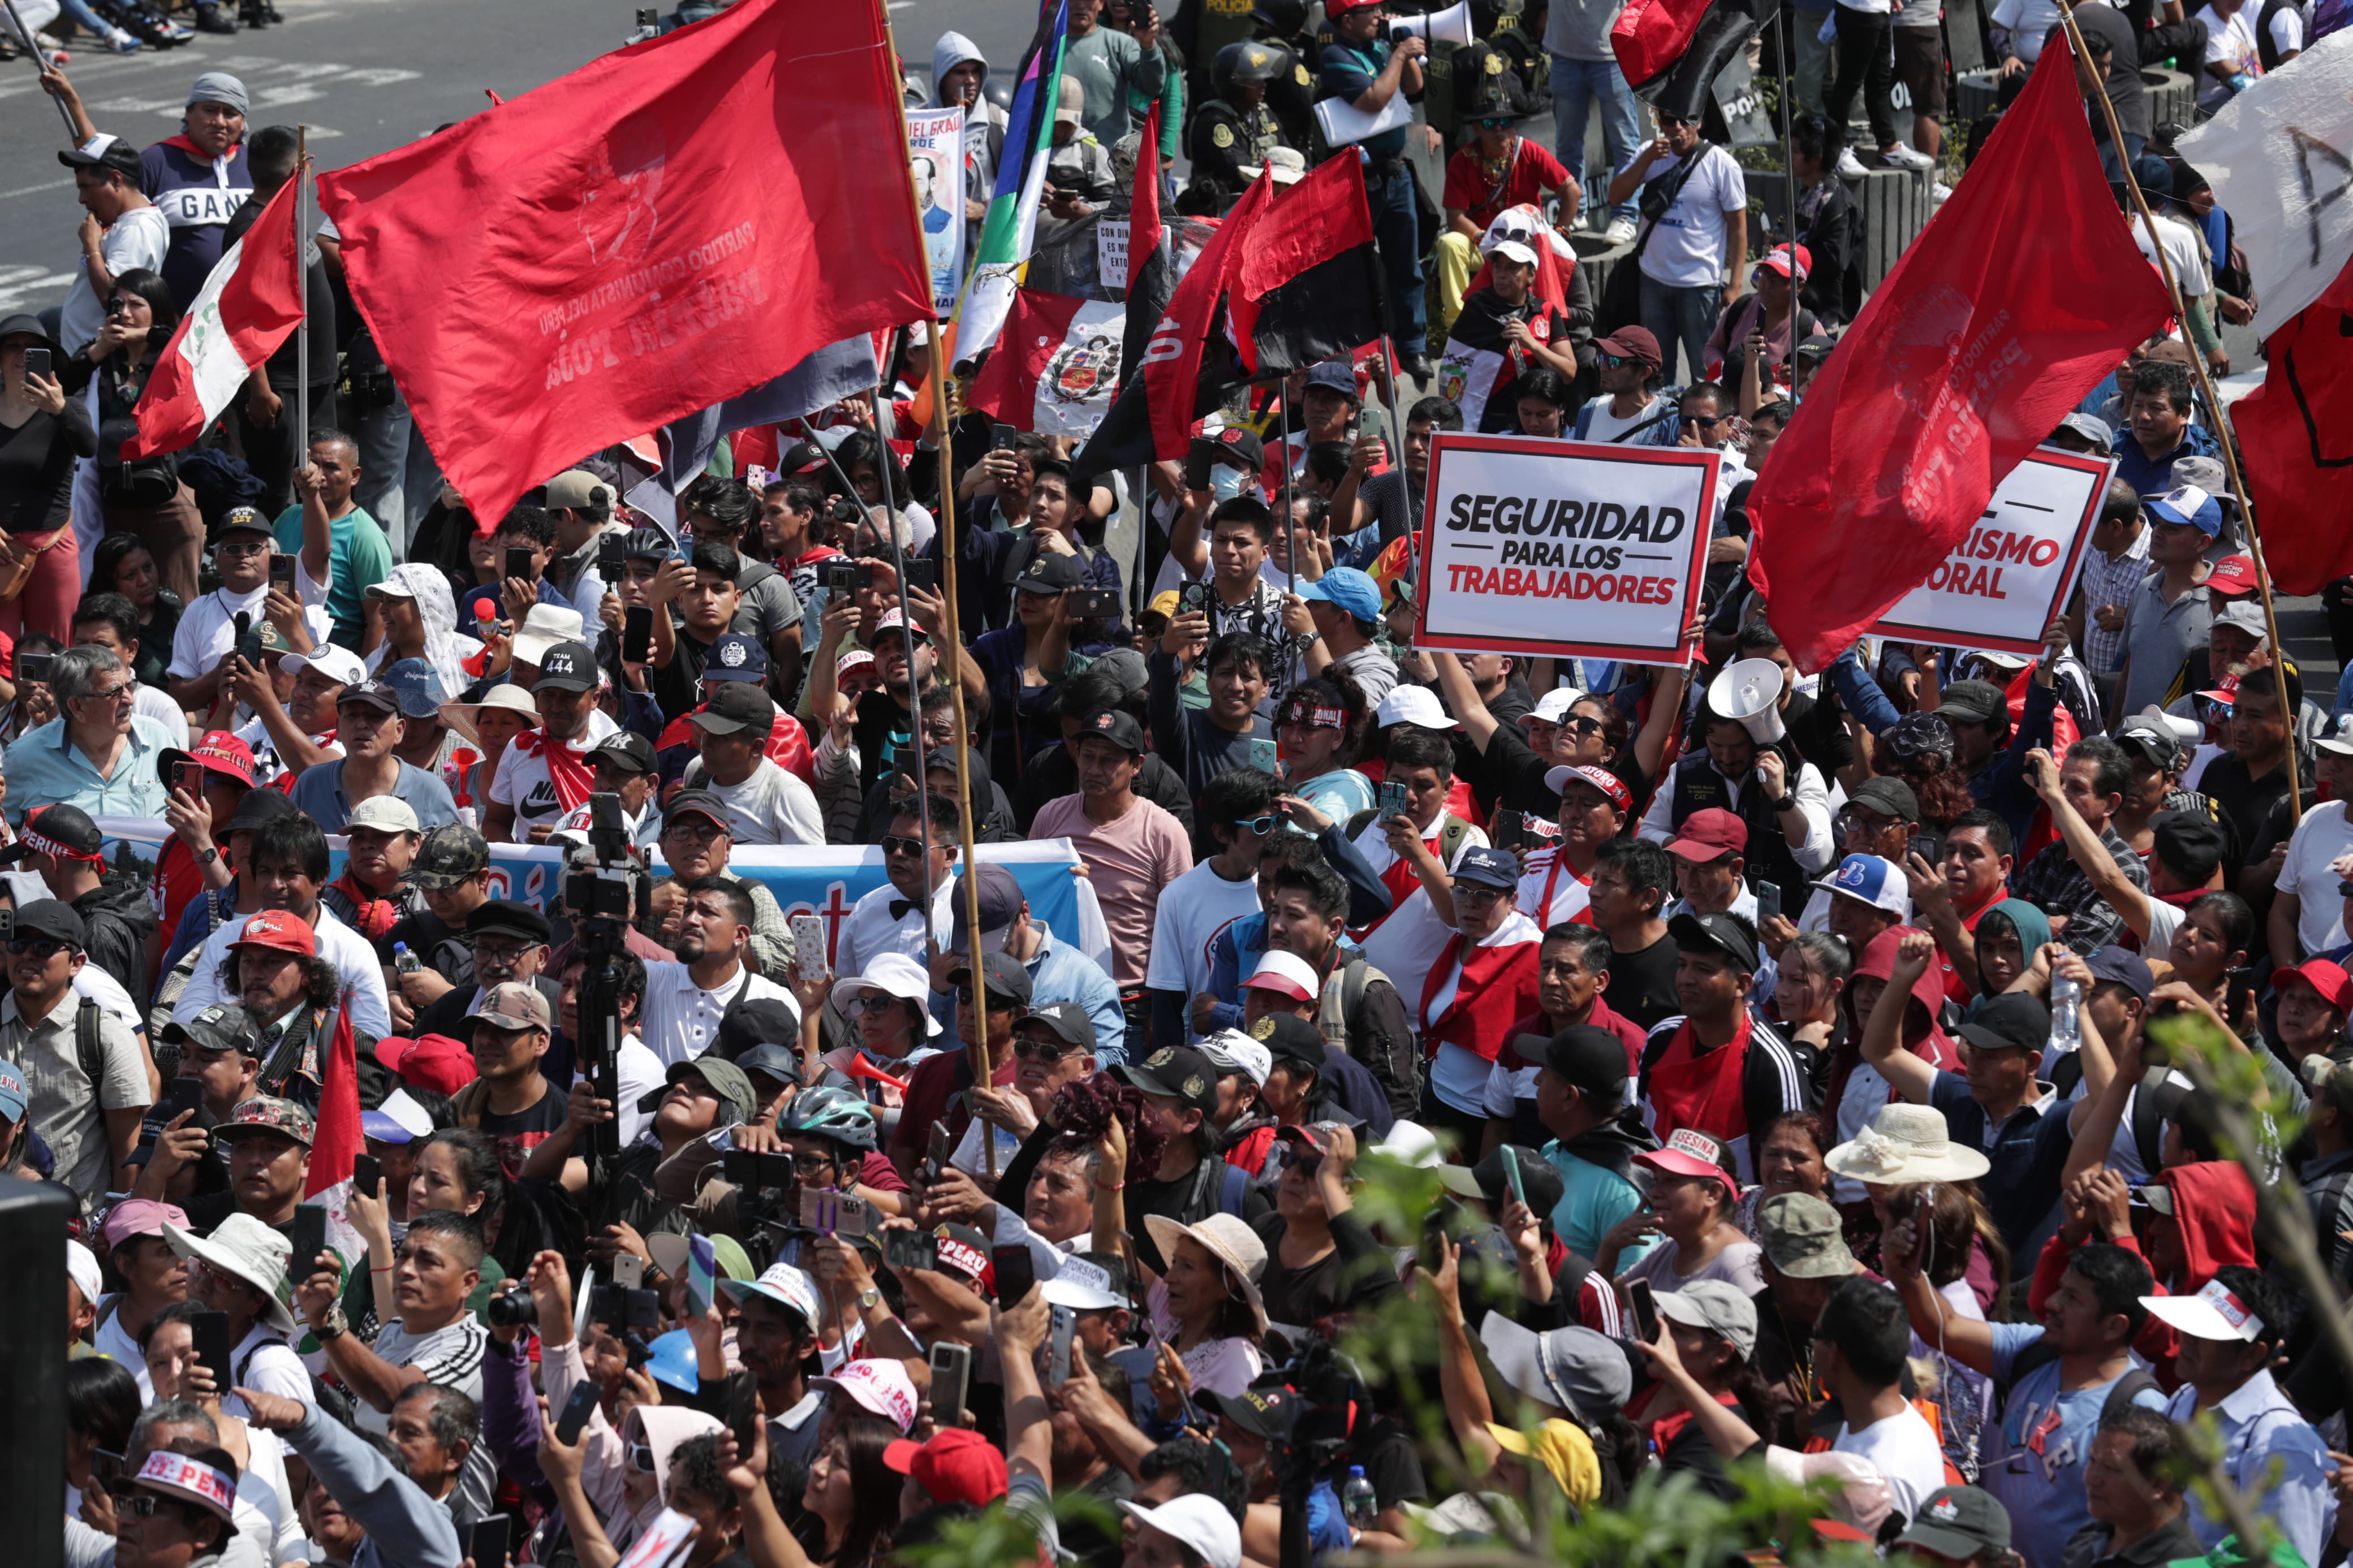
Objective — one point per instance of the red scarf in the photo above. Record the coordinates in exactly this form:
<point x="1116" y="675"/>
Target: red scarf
<point x="1687" y="1088"/>
<point x="1498" y="988"/>
<point x="567" y="768"/>
<point x="192" y="151"/>
<point x="788" y="745"/>
<point x="372" y="916"/>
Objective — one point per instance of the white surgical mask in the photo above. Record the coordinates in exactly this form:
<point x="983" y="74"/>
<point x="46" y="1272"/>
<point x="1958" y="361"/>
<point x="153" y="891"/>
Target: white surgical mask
<point x="1226" y="482"/>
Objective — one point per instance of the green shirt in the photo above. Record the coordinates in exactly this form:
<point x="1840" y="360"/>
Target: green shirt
<point x="358" y="554"/>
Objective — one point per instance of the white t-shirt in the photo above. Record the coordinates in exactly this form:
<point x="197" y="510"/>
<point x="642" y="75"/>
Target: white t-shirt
<point x="137" y="239"/>
<point x="2287" y="30"/>
<point x="2028" y="22"/>
<point x="2229" y="42"/>
<point x="451" y="1357"/>
<point x="207" y="630"/>
<point x="262" y="1360"/>
<point x="2180" y="248"/>
<point x="681" y="1019"/>
<point x="869" y="929"/>
<point x="770" y="807"/>
<point x="639" y="1072"/>
<point x="150" y="703"/>
<point x="1192" y="910"/>
<point x="2320" y="838"/>
<point x="1902" y="1448"/>
<point x="266" y="763"/>
<point x="1605" y="426"/>
<point x="1739" y="1266"/>
<point x="1687" y="250"/>
<point x="522" y="781"/>
<point x="120" y="1345"/>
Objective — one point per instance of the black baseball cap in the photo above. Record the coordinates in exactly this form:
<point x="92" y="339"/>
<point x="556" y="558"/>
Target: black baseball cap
<point x="1067" y="1019"/>
<point x="738" y="705"/>
<point x="1001" y="973"/>
<point x="751" y="1025"/>
<point x="376" y="694"/>
<point x="625" y="748"/>
<point x="1887" y="796"/>
<point x="2190" y="844"/>
<point x="1538" y="1180"/>
<point x="699" y="802"/>
<point x="1291" y="1038"/>
<point x="1972" y="702"/>
<point x="103" y="151"/>
<point x="1178" y="1072"/>
<point x="2126" y="968"/>
<point x="2012" y="1021"/>
<point x="1049" y="574"/>
<point x="58" y="922"/>
<point x="567" y="667"/>
<point x="1120" y="729"/>
<point x="1590" y="1058"/>
<point x="509" y="917"/>
<point x="221" y="1026"/>
<point x="1261" y="1412"/>
<point x="1724" y="933"/>
<point x="1959" y="1523"/>
<point x="259" y="809"/>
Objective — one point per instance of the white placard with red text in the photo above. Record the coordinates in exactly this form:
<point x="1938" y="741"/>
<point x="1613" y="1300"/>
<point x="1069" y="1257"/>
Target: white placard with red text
<point x="1564" y="549"/>
<point x="2001" y="585"/>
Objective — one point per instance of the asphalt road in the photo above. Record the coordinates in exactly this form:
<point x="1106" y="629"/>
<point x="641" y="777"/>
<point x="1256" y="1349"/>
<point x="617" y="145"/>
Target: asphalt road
<point x="365" y="74"/>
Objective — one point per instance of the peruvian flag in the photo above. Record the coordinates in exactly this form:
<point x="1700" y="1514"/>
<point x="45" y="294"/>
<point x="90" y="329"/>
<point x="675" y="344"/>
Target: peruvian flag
<point x="252" y="298"/>
<point x="1055" y="369"/>
<point x="335" y="1143"/>
<point x="1471" y="997"/>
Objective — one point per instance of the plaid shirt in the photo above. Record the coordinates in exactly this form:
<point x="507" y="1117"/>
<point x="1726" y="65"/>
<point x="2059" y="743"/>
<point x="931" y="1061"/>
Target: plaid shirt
<point x="2107" y="582"/>
<point x="2055" y="884"/>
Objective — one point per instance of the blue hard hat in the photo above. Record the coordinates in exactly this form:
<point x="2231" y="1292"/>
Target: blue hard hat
<point x="672" y="1361"/>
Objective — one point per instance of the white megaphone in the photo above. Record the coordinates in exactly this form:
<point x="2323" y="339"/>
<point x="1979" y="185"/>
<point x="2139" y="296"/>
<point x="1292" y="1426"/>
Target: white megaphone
<point x="1751" y="691"/>
<point x="1451" y="25"/>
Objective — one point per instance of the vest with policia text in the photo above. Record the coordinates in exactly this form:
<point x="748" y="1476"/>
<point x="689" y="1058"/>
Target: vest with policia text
<point x="1699" y="787"/>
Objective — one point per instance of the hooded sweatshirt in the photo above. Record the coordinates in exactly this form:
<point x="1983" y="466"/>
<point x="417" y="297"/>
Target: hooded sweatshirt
<point x="2214" y="1208"/>
<point x="984" y="123"/>
<point x="2033" y="928"/>
<point x="1857" y="1088"/>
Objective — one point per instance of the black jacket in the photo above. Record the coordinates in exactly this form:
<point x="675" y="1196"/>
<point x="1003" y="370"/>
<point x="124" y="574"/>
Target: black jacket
<point x="119" y="922"/>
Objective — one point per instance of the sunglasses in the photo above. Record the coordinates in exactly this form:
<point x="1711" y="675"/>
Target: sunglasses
<point x="964" y="994"/>
<point x="859" y="1006"/>
<point x="235" y="549"/>
<point x="1308" y="1166"/>
<point x="1584" y="724"/>
<point x="39" y="947"/>
<point x="1259" y="825"/>
<point x="138" y="1505"/>
<point x="892" y="844"/>
<point x="641" y="1458"/>
<point x="1463" y="895"/>
<point x="1704" y="425"/>
<point x="1614" y="360"/>
<point x="1494" y="125"/>
<point x="1047" y="1052"/>
<point x="1671" y="119"/>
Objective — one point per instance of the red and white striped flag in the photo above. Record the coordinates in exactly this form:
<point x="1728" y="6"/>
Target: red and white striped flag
<point x="251" y="300"/>
<point x="1056" y="368"/>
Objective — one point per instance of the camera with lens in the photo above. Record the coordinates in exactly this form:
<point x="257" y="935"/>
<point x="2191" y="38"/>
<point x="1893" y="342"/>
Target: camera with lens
<point x="604" y="883"/>
<point x="512" y="1308"/>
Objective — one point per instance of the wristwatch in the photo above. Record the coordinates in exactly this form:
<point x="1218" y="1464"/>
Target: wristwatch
<point x="1787" y="803"/>
<point x="335" y="1327"/>
<point x="211" y="854"/>
<point x="869" y="1298"/>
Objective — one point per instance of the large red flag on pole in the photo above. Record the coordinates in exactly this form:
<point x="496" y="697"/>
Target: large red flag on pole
<point x="251" y="299"/>
<point x="2294" y="439"/>
<point x="661" y="230"/>
<point x="2021" y="293"/>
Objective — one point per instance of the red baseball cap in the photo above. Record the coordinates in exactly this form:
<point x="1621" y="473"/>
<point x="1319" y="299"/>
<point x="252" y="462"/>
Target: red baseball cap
<point x="219" y="750"/>
<point x="2233" y="576"/>
<point x="1778" y="259"/>
<point x="2335" y="986"/>
<point x="436" y="1061"/>
<point x="277" y="929"/>
<point x="955" y="1466"/>
<point x="1709" y="835"/>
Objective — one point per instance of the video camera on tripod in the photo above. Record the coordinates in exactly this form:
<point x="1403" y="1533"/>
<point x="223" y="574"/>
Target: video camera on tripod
<point x="604" y="888"/>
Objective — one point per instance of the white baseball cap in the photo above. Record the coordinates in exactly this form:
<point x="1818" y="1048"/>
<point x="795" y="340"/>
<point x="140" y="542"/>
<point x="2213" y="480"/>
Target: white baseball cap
<point x="386" y="814"/>
<point x="1553" y="705"/>
<point x="1198" y="1522"/>
<point x="785" y="1285"/>
<point x="340" y="665"/>
<point x="1082" y="1287"/>
<point x="2214" y="1313"/>
<point x="1231" y="1050"/>
<point x="81" y="1268"/>
<point x="1416" y="705"/>
<point x="1286" y="973"/>
<point x="1411" y="1143"/>
<point x="894" y="974"/>
<point x="1516" y="251"/>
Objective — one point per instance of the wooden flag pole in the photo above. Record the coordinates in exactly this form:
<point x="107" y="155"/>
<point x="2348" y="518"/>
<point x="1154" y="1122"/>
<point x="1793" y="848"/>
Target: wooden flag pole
<point x="984" y="1069"/>
<point x="2214" y="405"/>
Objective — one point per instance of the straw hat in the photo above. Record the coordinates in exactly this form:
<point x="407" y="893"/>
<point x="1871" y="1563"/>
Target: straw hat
<point x="460" y="716"/>
<point x="1225" y="1238"/>
<point x="1905" y="1145"/>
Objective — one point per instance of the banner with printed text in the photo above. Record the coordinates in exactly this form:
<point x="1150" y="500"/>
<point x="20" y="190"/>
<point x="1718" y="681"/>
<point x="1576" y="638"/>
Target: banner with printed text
<point x="1564" y="549"/>
<point x="936" y="144"/>
<point x="2002" y="584"/>
<point x="826" y="881"/>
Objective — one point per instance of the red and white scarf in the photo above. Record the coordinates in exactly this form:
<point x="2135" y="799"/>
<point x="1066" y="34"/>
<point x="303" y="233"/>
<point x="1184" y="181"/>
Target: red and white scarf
<point x="1472" y="1000"/>
<point x="567" y="765"/>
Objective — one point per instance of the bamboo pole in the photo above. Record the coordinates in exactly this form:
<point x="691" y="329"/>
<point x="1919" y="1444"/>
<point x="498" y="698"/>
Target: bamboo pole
<point x="984" y="1069"/>
<point x="2214" y="405"/>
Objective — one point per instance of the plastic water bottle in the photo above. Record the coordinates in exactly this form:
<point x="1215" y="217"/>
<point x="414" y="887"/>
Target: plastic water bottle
<point x="2066" y="1033"/>
<point x="405" y="962"/>
<point x="1357" y="1503"/>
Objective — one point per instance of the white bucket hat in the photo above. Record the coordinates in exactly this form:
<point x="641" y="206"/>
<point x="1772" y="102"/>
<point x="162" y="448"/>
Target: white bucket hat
<point x="243" y="1248"/>
<point x="542" y="628"/>
<point x="1905" y="1144"/>
<point x="893" y="974"/>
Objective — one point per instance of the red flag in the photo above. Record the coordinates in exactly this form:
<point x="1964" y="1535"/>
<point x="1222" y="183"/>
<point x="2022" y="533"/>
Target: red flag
<point x="338" y="1140"/>
<point x="2019" y="296"/>
<point x="2292" y="439"/>
<point x="1317" y="221"/>
<point x="1651" y="35"/>
<point x="668" y="227"/>
<point x="1170" y="373"/>
<point x="251" y="299"/>
<point x="1144" y="206"/>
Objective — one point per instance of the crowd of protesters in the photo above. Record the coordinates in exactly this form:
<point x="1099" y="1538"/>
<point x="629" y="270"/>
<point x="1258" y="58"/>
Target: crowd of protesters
<point x="1703" y="1091"/>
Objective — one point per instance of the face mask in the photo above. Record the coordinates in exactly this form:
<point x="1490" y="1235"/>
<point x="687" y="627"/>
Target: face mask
<point x="1226" y="482"/>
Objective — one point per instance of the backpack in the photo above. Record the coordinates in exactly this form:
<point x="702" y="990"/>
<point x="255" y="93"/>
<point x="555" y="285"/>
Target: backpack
<point x="88" y="1050"/>
<point x="2134" y="1383"/>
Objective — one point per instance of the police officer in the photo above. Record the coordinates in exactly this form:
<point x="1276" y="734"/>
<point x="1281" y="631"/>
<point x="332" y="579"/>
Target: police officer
<point x="1300" y="28"/>
<point x="1237" y="128"/>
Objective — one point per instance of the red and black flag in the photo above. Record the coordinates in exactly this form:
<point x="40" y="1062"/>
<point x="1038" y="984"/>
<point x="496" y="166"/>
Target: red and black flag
<point x="1309" y="289"/>
<point x="2291" y="431"/>
<point x="1151" y="268"/>
<point x="1671" y="50"/>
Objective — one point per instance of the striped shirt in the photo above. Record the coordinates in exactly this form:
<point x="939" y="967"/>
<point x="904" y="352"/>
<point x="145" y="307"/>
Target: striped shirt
<point x="2111" y="580"/>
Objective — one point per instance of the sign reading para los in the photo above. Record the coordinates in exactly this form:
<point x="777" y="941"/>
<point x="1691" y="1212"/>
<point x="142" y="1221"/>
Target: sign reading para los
<point x="1564" y="549"/>
<point x="2001" y="585"/>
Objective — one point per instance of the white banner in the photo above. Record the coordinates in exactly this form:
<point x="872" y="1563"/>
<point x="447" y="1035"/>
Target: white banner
<point x="2002" y="584"/>
<point x="1564" y="549"/>
<point x="935" y="143"/>
<point x="1111" y="254"/>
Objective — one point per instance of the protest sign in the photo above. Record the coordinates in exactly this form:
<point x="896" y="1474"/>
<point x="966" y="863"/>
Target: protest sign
<point x="821" y="880"/>
<point x="1564" y="549"/>
<point x="936" y="142"/>
<point x="2013" y="572"/>
<point x="1110" y="255"/>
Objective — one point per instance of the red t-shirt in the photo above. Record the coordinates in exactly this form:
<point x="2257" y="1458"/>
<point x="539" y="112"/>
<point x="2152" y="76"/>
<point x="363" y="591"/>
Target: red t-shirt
<point x="1532" y="172"/>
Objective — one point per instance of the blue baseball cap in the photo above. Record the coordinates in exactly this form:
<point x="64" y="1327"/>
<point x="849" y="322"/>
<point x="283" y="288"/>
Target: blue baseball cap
<point x="416" y="686"/>
<point x="2188" y="506"/>
<point x="1348" y="588"/>
<point x="13" y="1096"/>
<point x="1485" y="867"/>
<point x="1875" y="882"/>
<point x="736" y="657"/>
